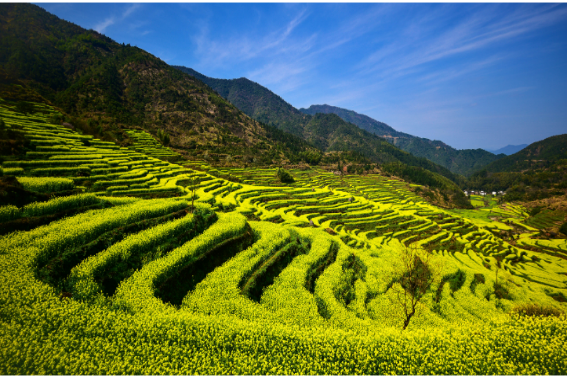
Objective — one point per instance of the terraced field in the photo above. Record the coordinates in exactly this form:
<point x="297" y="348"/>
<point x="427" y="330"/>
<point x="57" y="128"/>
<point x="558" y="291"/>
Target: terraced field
<point x="140" y="266"/>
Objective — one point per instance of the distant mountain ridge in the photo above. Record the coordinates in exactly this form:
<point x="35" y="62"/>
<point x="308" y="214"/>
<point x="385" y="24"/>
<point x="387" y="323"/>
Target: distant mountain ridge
<point x="464" y="162"/>
<point x="549" y="150"/>
<point x="509" y="149"/>
<point x="265" y="106"/>
<point x="329" y="132"/>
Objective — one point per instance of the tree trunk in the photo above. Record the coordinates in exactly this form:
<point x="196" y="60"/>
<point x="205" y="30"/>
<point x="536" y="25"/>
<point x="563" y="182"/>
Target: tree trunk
<point x="408" y="318"/>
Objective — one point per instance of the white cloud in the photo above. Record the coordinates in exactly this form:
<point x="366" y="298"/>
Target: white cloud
<point x="111" y="20"/>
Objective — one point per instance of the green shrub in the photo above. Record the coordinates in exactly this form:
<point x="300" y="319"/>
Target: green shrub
<point x="284" y="176"/>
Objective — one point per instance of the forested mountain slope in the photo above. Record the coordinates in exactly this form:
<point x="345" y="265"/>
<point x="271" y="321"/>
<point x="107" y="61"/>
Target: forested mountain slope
<point x="463" y="162"/>
<point x="326" y="131"/>
<point x="360" y="120"/>
<point x="107" y="86"/>
<point x="256" y="101"/>
<point x="538" y="154"/>
<point x="538" y="171"/>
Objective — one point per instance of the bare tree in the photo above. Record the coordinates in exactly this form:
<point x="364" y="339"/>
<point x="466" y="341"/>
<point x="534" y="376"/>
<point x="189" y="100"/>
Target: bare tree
<point x="415" y="271"/>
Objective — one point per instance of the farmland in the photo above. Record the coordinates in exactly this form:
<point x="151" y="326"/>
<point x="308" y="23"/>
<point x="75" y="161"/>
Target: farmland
<point x="134" y="261"/>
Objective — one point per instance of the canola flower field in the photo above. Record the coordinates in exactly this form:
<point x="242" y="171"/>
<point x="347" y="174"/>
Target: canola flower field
<point x="141" y="266"/>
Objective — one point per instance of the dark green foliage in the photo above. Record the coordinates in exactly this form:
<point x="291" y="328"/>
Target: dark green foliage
<point x="12" y="140"/>
<point x="533" y="212"/>
<point x="558" y="296"/>
<point x="317" y="269"/>
<point x="422" y="176"/>
<point x="294" y="147"/>
<point x="285" y="176"/>
<point x="501" y="291"/>
<point x="536" y="155"/>
<point x="536" y="172"/>
<point x="255" y="101"/>
<point x="360" y="120"/>
<point x="456" y="280"/>
<point x="13" y="193"/>
<point x="163" y="137"/>
<point x="563" y="229"/>
<point x="413" y="282"/>
<point x="24" y="107"/>
<point x="545" y="218"/>
<point x="353" y="269"/>
<point x="264" y="275"/>
<point x="478" y="278"/>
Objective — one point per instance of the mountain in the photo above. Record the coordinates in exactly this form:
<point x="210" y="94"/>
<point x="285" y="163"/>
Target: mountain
<point x="327" y="132"/>
<point x="509" y="149"/>
<point x="537" y="155"/>
<point x="265" y="106"/>
<point x="537" y="171"/>
<point x="104" y="86"/>
<point x="331" y="133"/>
<point x="360" y="120"/>
<point x="464" y="162"/>
<point x="256" y="101"/>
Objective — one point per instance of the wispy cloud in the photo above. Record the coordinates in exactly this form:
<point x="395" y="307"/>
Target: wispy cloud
<point x="218" y="52"/>
<point x="421" y="57"/>
<point x="287" y="76"/>
<point x="478" y="31"/>
<point x="112" y="19"/>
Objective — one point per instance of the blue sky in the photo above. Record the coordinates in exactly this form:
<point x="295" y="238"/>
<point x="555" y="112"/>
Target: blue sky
<point x="471" y="75"/>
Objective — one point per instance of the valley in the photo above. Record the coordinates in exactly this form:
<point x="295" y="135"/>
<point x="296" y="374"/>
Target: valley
<point x="154" y="221"/>
<point x="131" y="243"/>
